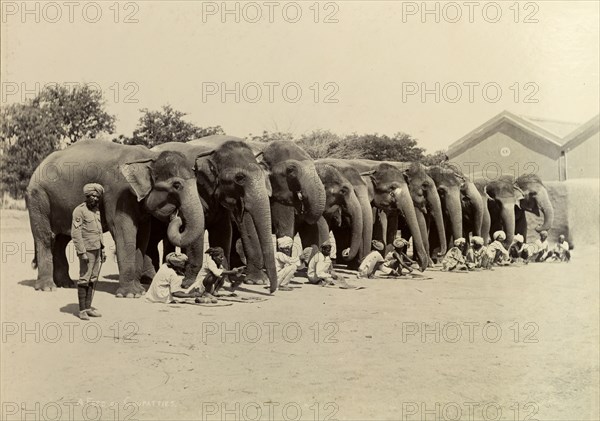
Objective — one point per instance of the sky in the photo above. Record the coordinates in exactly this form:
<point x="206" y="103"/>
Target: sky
<point x="347" y="66"/>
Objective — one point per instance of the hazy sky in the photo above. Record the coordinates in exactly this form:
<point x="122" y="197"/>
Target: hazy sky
<point x="367" y="60"/>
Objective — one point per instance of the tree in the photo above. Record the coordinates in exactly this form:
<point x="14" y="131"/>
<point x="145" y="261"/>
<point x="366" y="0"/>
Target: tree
<point x="167" y="125"/>
<point x="55" y="118"/>
<point x="435" y="158"/>
<point x="78" y="112"/>
<point x="267" y="136"/>
<point x="27" y="135"/>
<point x="400" y="147"/>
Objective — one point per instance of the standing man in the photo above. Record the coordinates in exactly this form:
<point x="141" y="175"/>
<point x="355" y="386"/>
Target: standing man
<point x="86" y="231"/>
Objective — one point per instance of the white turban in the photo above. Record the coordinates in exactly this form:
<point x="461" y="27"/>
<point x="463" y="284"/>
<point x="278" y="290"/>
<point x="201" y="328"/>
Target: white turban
<point x="284" y="242"/>
<point x="518" y="238"/>
<point x="400" y="242"/>
<point x="477" y="240"/>
<point x="499" y="235"/>
<point x="93" y="187"/>
<point x="377" y="245"/>
<point x="459" y="241"/>
<point x="176" y="259"/>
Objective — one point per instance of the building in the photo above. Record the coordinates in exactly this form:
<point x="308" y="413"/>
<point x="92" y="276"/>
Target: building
<point x="509" y="144"/>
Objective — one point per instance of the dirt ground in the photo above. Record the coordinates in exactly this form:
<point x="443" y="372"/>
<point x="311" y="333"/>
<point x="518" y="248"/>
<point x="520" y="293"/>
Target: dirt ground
<point x="516" y="343"/>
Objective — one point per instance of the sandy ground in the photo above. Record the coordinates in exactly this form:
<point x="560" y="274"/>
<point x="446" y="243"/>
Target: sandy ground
<point x="513" y="344"/>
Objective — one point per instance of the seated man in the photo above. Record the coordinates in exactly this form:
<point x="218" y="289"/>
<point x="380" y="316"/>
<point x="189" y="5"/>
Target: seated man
<point x="538" y="251"/>
<point x="286" y="265"/>
<point x="166" y="284"/>
<point x="476" y="252"/>
<point x="561" y="250"/>
<point x="397" y="260"/>
<point x="454" y="258"/>
<point x="518" y="249"/>
<point x="495" y="253"/>
<point x="320" y="267"/>
<point x="213" y="275"/>
<point x="372" y="261"/>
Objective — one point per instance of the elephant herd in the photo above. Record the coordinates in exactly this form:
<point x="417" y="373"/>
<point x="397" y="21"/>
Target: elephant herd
<point x="233" y="189"/>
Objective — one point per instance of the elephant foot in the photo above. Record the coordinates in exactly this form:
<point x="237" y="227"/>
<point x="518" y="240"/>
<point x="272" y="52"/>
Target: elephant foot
<point x="44" y="285"/>
<point x="65" y="282"/>
<point x="257" y="278"/>
<point x="130" y="290"/>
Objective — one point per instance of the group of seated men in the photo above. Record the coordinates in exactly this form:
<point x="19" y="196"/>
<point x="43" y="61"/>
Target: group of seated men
<point x="167" y="285"/>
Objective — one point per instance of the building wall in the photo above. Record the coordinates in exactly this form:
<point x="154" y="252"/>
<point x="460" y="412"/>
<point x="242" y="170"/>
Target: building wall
<point x="582" y="161"/>
<point x="491" y="162"/>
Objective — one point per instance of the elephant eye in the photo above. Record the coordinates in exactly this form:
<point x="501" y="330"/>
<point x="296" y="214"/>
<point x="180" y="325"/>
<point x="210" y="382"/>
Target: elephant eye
<point x="177" y="185"/>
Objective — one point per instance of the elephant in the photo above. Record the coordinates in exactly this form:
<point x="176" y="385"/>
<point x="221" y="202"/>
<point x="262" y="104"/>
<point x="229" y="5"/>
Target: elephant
<point x="298" y="195"/>
<point x="390" y="192"/>
<point x="510" y="198"/>
<point x="342" y="206"/>
<point x="341" y="233"/>
<point x="137" y="183"/>
<point x="233" y="187"/>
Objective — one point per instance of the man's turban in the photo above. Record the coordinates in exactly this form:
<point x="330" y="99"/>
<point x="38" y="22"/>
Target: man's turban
<point x="176" y="259"/>
<point x="93" y="188"/>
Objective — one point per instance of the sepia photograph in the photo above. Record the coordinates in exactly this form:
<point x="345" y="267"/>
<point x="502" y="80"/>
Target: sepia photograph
<point x="300" y="210"/>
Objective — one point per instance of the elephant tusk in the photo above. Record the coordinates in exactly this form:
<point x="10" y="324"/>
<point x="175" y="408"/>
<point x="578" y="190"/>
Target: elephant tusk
<point x="174" y="214"/>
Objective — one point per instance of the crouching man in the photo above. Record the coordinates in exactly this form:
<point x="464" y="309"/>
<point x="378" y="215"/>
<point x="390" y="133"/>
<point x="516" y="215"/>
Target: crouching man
<point x="320" y="267"/>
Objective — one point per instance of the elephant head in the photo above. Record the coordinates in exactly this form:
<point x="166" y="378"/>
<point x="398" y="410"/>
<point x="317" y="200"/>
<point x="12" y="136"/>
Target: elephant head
<point x="237" y="183"/>
<point x="427" y="200"/>
<point x="167" y="187"/>
<point x="527" y="193"/>
<point x="296" y="186"/>
<point x="449" y="183"/>
<point x="391" y="193"/>
<point x="342" y="203"/>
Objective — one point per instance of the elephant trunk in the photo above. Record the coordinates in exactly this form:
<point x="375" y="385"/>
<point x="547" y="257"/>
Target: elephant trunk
<point x="367" y="217"/>
<point x="454" y="209"/>
<point x="313" y="193"/>
<point x="424" y="234"/>
<point x="546" y="207"/>
<point x="405" y="204"/>
<point x="477" y="205"/>
<point x="435" y="205"/>
<point x="190" y="212"/>
<point x="259" y="211"/>
<point x="508" y="219"/>
<point x="355" y="212"/>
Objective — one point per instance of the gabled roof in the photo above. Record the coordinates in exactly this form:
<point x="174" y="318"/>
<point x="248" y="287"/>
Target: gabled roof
<point x="531" y="135"/>
<point x="580" y="134"/>
<point x="547" y="137"/>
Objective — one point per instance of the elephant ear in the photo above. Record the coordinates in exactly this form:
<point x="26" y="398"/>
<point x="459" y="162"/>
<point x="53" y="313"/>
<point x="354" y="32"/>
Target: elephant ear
<point x="139" y="176"/>
<point x="264" y="166"/>
<point x="206" y="172"/>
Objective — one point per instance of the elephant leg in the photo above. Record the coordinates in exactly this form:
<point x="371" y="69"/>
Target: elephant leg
<point x="61" y="263"/>
<point x="379" y="225"/>
<point x="38" y="206"/>
<point x="158" y="231"/>
<point x="253" y="251"/>
<point x="147" y="270"/>
<point x="391" y="230"/>
<point x="129" y="258"/>
<point x="521" y="223"/>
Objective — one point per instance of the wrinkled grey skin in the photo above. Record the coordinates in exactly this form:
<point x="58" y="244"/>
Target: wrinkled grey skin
<point x="137" y="183"/>
<point x="510" y="198"/>
<point x="361" y="190"/>
<point x="234" y="188"/>
<point x="342" y="206"/>
<point x="298" y="195"/>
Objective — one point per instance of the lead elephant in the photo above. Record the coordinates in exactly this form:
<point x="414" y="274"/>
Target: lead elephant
<point x="510" y="198"/>
<point x="342" y="207"/>
<point x="137" y="183"/>
<point x="234" y="188"/>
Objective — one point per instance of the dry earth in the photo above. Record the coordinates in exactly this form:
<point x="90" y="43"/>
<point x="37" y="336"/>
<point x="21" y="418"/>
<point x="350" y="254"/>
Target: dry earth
<point x="513" y="344"/>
